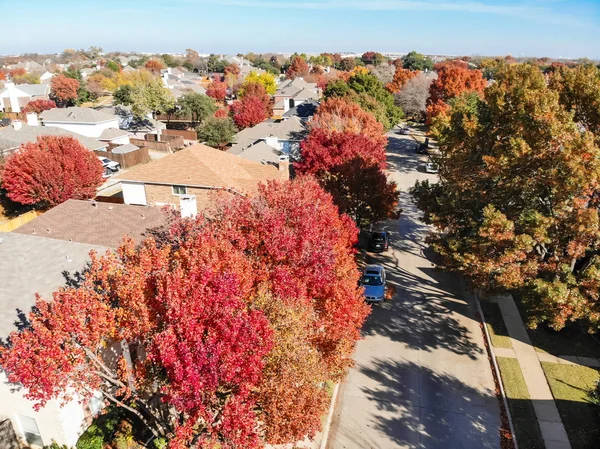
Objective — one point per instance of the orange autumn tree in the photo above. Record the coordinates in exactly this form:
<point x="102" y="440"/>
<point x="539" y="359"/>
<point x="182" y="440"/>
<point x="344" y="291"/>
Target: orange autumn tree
<point x="453" y="80"/>
<point x="401" y="77"/>
<point x="63" y="89"/>
<point x="154" y="66"/>
<point x="337" y="115"/>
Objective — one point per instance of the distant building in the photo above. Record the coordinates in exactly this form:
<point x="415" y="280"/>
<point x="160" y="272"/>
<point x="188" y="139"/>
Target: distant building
<point x="13" y="97"/>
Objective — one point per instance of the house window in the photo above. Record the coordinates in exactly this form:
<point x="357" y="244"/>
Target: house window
<point x="179" y="190"/>
<point x="30" y="430"/>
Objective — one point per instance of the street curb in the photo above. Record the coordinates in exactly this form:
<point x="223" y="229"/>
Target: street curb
<point x="497" y="371"/>
<point x="327" y="426"/>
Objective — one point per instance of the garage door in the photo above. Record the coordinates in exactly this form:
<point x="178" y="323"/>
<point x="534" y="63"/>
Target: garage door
<point x="134" y="194"/>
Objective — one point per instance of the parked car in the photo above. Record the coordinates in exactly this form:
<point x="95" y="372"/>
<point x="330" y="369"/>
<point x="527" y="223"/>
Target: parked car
<point x="373" y="280"/>
<point x="111" y="165"/>
<point x="431" y="168"/>
<point x="378" y="241"/>
<point x="405" y="131"/>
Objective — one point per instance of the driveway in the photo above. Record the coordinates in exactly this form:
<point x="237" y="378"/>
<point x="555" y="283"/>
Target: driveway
<point x="421" y="378"/>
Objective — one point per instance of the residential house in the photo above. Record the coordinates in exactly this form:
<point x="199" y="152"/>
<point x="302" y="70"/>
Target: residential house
<point x="85" y="121"/>
<point x="33" y="264"/>
<point x="114" y="136"/>
<point x="303" y="111"/>
<point x="283" y="136"/>
<point x="86" y="72"/>
<point x="29" y="66"/>
<point x="18" y="133"/>
<point x="95" y="223"/>
<point x="136" y="126"/>
<point x="292" y="93"/>
<point x="46" y="77"/>
<point x="180" y="83"/>
<point x="186" y="178"/>
<point x="15" y="97"/>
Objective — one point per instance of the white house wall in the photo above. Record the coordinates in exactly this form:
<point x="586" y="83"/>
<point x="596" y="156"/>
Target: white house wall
<point x="85" y="129"/>
<point x="134" y="193"/>
<point x="63" y="425"/>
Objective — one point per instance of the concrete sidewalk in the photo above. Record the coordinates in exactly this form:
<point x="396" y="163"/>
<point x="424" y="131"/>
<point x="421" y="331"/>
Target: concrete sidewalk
<point x="551" y="426"/>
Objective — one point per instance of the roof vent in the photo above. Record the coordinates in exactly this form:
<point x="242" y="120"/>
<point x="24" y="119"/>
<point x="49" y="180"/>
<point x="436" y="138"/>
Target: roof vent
<point x="110" y="208"/>
<point x="143" y="216"/>
<point x="1" y="240"/>
<point x="68" y="259"/>
<point x="94" y="204"/>
<point x="48" y="230"/>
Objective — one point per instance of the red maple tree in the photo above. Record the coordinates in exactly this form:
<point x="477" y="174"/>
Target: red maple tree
<point x="337" y="115"/>
<point x="39" y="106"/>
<point x="232" y="69"/>
<point x="50" y="171"/>
<point x="217" y="89"/>
<point x="323" y="150"/>
<point x="452" y="81"/>
<point x="249" y="111"/>
<point x="64" y="89"/>
<point x="401" y="77"/>
<point x="230" y="329"/>
<point x="17" y="72"/>
<point x="154" y="66"/>
<point x="297" y="68"/>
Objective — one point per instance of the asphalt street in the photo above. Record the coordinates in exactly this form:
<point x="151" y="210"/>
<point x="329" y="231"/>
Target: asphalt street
<point x="421" y="377"/>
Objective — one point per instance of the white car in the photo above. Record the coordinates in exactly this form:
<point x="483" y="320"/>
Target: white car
<point x="111" y="165"/>
<point x="431" y="168"/>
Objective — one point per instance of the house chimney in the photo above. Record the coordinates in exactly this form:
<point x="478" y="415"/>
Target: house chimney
<point x="284" y="166"/>
<point x="17" y="125"/>
<point x="32" y="119"/>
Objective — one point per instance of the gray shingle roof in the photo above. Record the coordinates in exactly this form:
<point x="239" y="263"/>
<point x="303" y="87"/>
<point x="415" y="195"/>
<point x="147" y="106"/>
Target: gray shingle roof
<point x="33" y="264"/>
<point x="261" y="152"/>
<point x="10" y="138"/>
<point x="76" y="115"/>
<point x="112" y="133"/>
<point x="291" y="129"/>
<point x="303" y="110"/>
<point x="127" y="148"/>
<point x="35" y="90"/>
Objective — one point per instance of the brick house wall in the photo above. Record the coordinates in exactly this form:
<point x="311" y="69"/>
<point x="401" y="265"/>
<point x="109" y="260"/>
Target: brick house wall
<point x="163" y="194"/>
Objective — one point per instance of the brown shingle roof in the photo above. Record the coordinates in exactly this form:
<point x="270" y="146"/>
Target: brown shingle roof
<point x="103" y="224"/>
<point x="200" y="165"/>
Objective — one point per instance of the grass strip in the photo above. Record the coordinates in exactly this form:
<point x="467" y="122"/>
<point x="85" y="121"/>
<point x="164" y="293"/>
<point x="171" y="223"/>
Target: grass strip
<point x="525" y="422"/>
<point x="570" y="385"/>
<point x="495" y="324"/>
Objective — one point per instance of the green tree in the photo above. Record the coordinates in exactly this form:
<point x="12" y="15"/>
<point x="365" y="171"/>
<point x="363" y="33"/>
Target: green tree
<point x="150" y="96"/>
<point x="517" y="202"/>
<point x="417" y="61"/>
<point x="114" y="66"/>
<point x="197" y="106"/>
<point x="265" y="65"/>
<point x="122" y="95"/>
<point x="170" y="61"/>
<point x="369" y="84"/>
<point x="217" y="131"/>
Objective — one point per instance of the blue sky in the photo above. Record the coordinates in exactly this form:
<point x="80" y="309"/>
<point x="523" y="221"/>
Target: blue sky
<point x="463" y="27"/>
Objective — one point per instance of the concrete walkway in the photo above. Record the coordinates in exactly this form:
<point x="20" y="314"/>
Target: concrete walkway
<point x="551" y="426"/>
<point x="592" y="362"/>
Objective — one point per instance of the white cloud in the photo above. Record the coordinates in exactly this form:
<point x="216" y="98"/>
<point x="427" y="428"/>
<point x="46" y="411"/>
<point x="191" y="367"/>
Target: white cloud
<point x="526" y="11"/>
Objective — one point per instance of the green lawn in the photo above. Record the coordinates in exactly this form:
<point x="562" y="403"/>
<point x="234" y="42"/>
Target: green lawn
<point x="521" y="409"/>
<point x="570" y="385"/>
<point x="495" y="325"/>
<point x="572" y="340"/>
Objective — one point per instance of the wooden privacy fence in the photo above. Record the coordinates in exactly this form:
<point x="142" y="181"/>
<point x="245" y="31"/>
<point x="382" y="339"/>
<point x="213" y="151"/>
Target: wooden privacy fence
<point x="186" y="134"/>
<point x="168" y="144"/>
<point x="11" y="225"/>
<point x="127" y="160"/>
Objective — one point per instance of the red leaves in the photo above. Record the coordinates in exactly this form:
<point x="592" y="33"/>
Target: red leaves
<point x="336" y="115"/>
<point x="401" y="77"/>
<point x="64" y="89"/>
<point x="154" y="66"/>
<point x="50" y="171"/>
<point x="322" y="151"/>
<point x="249" y="111"/>
<point x="39" y="106"/>
<point x="234" y="324"/>
<point x="217" y="89"/>
<point x="453" y="80"/>
<point x="297" y="68"/>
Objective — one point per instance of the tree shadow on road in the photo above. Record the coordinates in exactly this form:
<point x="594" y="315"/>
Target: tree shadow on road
<point x="437" y="411"/>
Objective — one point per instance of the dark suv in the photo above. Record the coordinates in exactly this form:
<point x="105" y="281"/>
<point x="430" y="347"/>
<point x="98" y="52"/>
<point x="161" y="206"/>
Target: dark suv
<point x="378" y="241"/>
